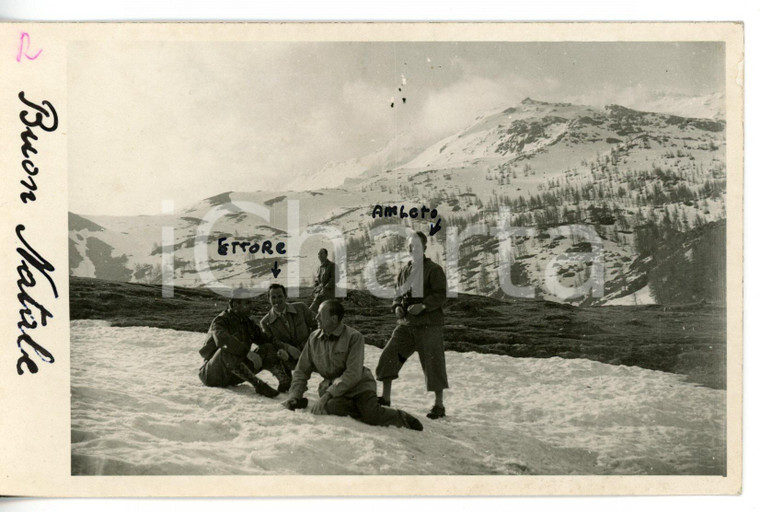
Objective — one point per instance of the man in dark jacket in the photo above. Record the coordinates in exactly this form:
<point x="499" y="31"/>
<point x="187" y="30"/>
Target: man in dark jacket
<point x="228" y="358"/>
<point x="419" y="328"/>
<point x="324" y="284"/>
<point x="287" y="325"/>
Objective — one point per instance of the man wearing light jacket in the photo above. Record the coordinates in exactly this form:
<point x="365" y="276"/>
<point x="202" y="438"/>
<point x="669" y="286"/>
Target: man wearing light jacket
<point x="336" y="352"/>
<point x="287" y="325"/>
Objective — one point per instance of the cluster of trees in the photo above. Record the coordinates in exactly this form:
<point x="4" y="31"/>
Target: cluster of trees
<point x="637" y="207"/>
<point x="686" y="267"/>
<point x="505" y="173"/>
<point x="401" y="191"/>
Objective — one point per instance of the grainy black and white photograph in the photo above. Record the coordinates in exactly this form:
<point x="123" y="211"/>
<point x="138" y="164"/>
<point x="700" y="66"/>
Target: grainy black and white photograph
<point x="397" y="258"/>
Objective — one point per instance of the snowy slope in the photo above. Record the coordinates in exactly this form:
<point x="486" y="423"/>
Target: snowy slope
<point x="551" y="164"/>
<point x="712" y="106"/>
<point x="139" y="408"/>
<point x="397" y="151"/>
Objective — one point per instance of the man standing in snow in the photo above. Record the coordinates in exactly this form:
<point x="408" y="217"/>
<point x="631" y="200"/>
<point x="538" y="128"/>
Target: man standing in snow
<point x="324" y="284"/>
<point x="420" y="326"/>
<point x="228" y="358"/>
<point x="287" y="325"/>
<point x="336" y="352"/>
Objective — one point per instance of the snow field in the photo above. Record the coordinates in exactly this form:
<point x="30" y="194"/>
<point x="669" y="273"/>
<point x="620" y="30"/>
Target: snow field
<point x="139" y="408"/>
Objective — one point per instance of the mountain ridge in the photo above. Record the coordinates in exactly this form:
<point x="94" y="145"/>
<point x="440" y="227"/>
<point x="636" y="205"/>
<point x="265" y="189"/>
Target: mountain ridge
<point x="551" y="165"/>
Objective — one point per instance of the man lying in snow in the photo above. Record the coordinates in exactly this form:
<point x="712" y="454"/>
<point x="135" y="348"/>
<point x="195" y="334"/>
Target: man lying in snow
<point x="228" y="358"/>
<point x="336" y="352"/>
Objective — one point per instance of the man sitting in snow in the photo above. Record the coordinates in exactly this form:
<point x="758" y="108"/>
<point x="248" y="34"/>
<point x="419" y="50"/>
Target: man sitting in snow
<point x="336" y="352"/>
<point x="287" y="325"/>
<point x="228" y="358"/>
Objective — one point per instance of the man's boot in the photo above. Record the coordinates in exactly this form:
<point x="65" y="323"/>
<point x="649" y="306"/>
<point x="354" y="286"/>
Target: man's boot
<point x="409" y="421"/>
<point x="244" y="372"/>
<point x="263" y="388"/>
<point x="283" y="376"/>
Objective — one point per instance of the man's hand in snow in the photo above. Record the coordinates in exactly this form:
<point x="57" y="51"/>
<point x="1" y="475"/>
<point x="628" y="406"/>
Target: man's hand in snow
<point x="321" y="406"/>
<point x="295" y="403"/>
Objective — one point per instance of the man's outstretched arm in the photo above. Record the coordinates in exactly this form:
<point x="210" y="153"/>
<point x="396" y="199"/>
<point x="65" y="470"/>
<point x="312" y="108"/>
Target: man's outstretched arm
<point x="302" y="372"/>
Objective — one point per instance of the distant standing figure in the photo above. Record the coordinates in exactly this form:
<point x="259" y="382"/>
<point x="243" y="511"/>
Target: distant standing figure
<point x="287" y="325"/>
<point x="419" y="329"/>
<point x="324" y="284"/>
<point x="227" y="356"/>
<point x="336" y="352"/>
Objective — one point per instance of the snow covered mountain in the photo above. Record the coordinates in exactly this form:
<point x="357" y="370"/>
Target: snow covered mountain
<point x="711" y="106"/>
<point x="638" y="179"/>
<point x="396" y="152"/>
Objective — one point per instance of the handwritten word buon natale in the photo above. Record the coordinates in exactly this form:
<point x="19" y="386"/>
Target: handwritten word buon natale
<point x="46" y="119"/>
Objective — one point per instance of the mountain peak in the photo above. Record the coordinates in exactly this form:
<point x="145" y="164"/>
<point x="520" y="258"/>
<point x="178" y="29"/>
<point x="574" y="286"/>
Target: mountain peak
<point x="620" y="110"/>
<point x="78" y="223"/>
<point x="531" y="101"/>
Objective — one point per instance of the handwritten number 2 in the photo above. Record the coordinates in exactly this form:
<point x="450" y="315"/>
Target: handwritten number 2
<point x="25" y="40"/>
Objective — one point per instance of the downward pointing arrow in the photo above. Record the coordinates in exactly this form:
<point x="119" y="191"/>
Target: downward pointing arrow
<point x="275" y="271"/>
<point x="435" y="228"/>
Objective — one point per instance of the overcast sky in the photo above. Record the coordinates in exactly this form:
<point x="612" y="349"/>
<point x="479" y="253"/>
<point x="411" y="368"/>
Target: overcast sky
<point x="185" y="121"/>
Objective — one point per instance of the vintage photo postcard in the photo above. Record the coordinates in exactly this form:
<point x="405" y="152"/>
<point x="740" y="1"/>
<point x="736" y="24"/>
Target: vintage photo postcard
<point x="307" y="259"/>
